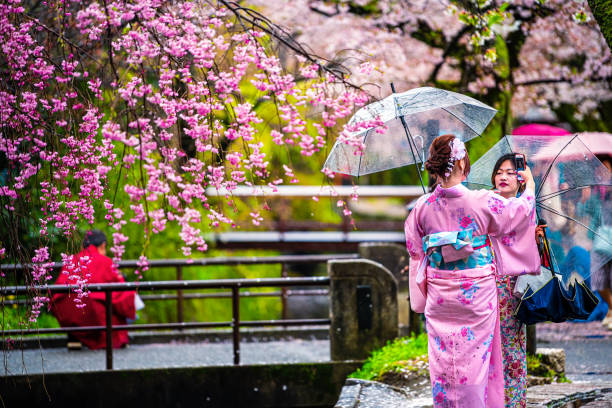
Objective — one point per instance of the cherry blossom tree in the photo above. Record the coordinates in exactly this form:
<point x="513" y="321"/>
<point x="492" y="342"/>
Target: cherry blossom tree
<point x="512" y="54"/>
<point x="130" y="111"/>
<point x="148" y="103"/>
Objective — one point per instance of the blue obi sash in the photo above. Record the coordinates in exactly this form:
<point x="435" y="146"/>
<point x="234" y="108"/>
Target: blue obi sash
<point x="455" y="250"/>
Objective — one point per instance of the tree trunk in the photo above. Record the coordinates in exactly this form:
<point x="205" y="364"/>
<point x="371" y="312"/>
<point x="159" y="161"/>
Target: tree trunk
<point x="602" y="10"/>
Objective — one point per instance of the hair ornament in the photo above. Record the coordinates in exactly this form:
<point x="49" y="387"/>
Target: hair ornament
<point x="457" y="153"/>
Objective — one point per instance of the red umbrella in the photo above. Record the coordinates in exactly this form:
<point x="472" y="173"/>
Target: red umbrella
<point x="539" y="129"/>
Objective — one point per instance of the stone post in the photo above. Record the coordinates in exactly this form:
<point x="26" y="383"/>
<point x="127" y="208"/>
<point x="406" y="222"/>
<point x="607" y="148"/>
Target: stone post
<point x="363" y="308"/>
<point x="395" y="258"/>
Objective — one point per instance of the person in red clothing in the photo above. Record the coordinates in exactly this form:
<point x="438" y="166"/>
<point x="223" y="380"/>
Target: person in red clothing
<point x="95" y="267"/>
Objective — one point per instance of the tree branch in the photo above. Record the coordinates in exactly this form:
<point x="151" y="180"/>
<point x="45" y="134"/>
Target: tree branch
<point x="261" y="22"/>
<point x="561" y="80"/>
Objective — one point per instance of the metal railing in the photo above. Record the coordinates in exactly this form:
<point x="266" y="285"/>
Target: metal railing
<point x="233" y="284"/>
<point x="179" y="264"/>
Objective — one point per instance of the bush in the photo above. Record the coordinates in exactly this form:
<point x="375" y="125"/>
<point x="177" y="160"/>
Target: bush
<point x="392" y="356"/>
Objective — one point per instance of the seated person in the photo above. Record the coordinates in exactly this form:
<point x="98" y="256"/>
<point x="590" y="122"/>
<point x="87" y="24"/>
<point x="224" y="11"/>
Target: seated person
<point x="96" y="267"/>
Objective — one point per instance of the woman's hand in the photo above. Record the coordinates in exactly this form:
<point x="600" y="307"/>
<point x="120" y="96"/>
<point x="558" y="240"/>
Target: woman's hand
<point x="527" y="178"/>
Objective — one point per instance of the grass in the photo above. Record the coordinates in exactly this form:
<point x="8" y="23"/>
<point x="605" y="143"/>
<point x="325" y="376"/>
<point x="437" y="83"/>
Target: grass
<point x="17" y="318"/>
<point x="536" y="367"/>
<point x="392" y="356"/>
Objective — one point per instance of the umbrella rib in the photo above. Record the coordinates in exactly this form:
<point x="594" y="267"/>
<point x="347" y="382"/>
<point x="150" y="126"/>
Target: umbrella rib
<point x="451" y="94"/>
<point x="552" y="210"/>
<point x="552" y="163"/>
<point x="410" y="142"/>
<point x="471" y="128"/>
<point x="557" y="193"/>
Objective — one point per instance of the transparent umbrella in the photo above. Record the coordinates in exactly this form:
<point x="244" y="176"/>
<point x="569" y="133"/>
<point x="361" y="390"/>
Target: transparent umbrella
<point x="406" y="125"/>
<point x="573" y="192"/>
<point x="573" y="196"/>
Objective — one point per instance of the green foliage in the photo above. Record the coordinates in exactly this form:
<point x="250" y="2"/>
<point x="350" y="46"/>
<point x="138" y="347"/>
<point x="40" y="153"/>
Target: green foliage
<point x="214" y="309"/>
<point x="601" y="121"/>
<point x="368" y="9"/>
<point x="502" y="64"/>
<point x="536" y="367"/>
<point x="15" y="317"/>
<point x="602" y="11"/>
<point x="431" y="37"/>
<point x="391" y="356"/>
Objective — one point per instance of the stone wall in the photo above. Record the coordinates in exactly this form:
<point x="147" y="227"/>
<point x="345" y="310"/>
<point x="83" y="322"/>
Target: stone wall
<point x="395" y="258"/>
<point x="363" y="308"/>
<point x="276" y="385"/>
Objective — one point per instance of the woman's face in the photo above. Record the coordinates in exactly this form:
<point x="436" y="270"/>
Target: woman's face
<point x="505" y="180"/>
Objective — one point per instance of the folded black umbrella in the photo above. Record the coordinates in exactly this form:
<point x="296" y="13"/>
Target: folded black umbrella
<point x="553" y="300"/>
<point x="548" y="303"/>
<point x="583" y="301"/>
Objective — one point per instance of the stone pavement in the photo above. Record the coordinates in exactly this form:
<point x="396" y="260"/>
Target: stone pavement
<point x="174" y="354"/>
<point x="371" y="394"/>
<point x="553" y="332"/>
<point x="570" y="395"/>
<point x="588" y="349"/>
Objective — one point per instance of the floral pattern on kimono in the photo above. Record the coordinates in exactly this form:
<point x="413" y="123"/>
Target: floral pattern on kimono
<point x="496" y="205"/>
<point x="468" y="290"/>
<point x="464" y="221"/>
<point x="465" y="360"/>
<point x="438" y="391"/>
<point x="461" y="299"/>
<point x="514" y="350"/>
<point x="508" y="240"/>
<point x="437" y="200"/>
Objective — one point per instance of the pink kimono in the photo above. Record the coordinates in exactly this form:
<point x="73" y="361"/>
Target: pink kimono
<point x="450" y="235"/>
<point x="524" y="259"/>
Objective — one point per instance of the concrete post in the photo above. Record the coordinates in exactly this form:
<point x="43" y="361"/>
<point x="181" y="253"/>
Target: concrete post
<point x="363" y="308"/>
<point x="395" y="258"/>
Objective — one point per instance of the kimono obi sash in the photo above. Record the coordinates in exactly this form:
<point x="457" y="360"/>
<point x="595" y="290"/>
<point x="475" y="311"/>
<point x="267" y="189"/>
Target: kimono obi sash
<point x="457" y="250"/>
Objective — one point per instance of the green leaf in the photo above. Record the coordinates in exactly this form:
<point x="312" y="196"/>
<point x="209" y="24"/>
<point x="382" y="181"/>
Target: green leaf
<point x="502" y="65"/>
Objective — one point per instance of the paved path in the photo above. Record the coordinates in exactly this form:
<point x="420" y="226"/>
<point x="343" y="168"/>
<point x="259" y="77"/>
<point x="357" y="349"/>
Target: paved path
<point x="164" y="355"/>
<point x="588" y="348"/>
<point x="550" y="332"/>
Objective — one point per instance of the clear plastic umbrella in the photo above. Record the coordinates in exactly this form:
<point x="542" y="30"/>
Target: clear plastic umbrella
<point x="573" y="195"/>
<point x="411" y="121"/>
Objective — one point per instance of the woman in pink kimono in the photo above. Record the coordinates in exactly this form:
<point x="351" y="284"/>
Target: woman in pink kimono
<point x="514" y="351"/>
<point x="451" y="236"/>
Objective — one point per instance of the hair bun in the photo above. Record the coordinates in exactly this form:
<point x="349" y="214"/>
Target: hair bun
<point x="439" y="155"/>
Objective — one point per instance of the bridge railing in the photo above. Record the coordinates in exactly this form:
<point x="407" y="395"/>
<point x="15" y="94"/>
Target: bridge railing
<point x="179" y="264"/>
<point x="233" y="284"/>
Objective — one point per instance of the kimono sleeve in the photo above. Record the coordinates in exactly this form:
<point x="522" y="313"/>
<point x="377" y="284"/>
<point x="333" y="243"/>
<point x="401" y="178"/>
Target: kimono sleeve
<point x="512" y="233"/>
<point x="507" y="215"/>
<point x="414" y="245"/>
